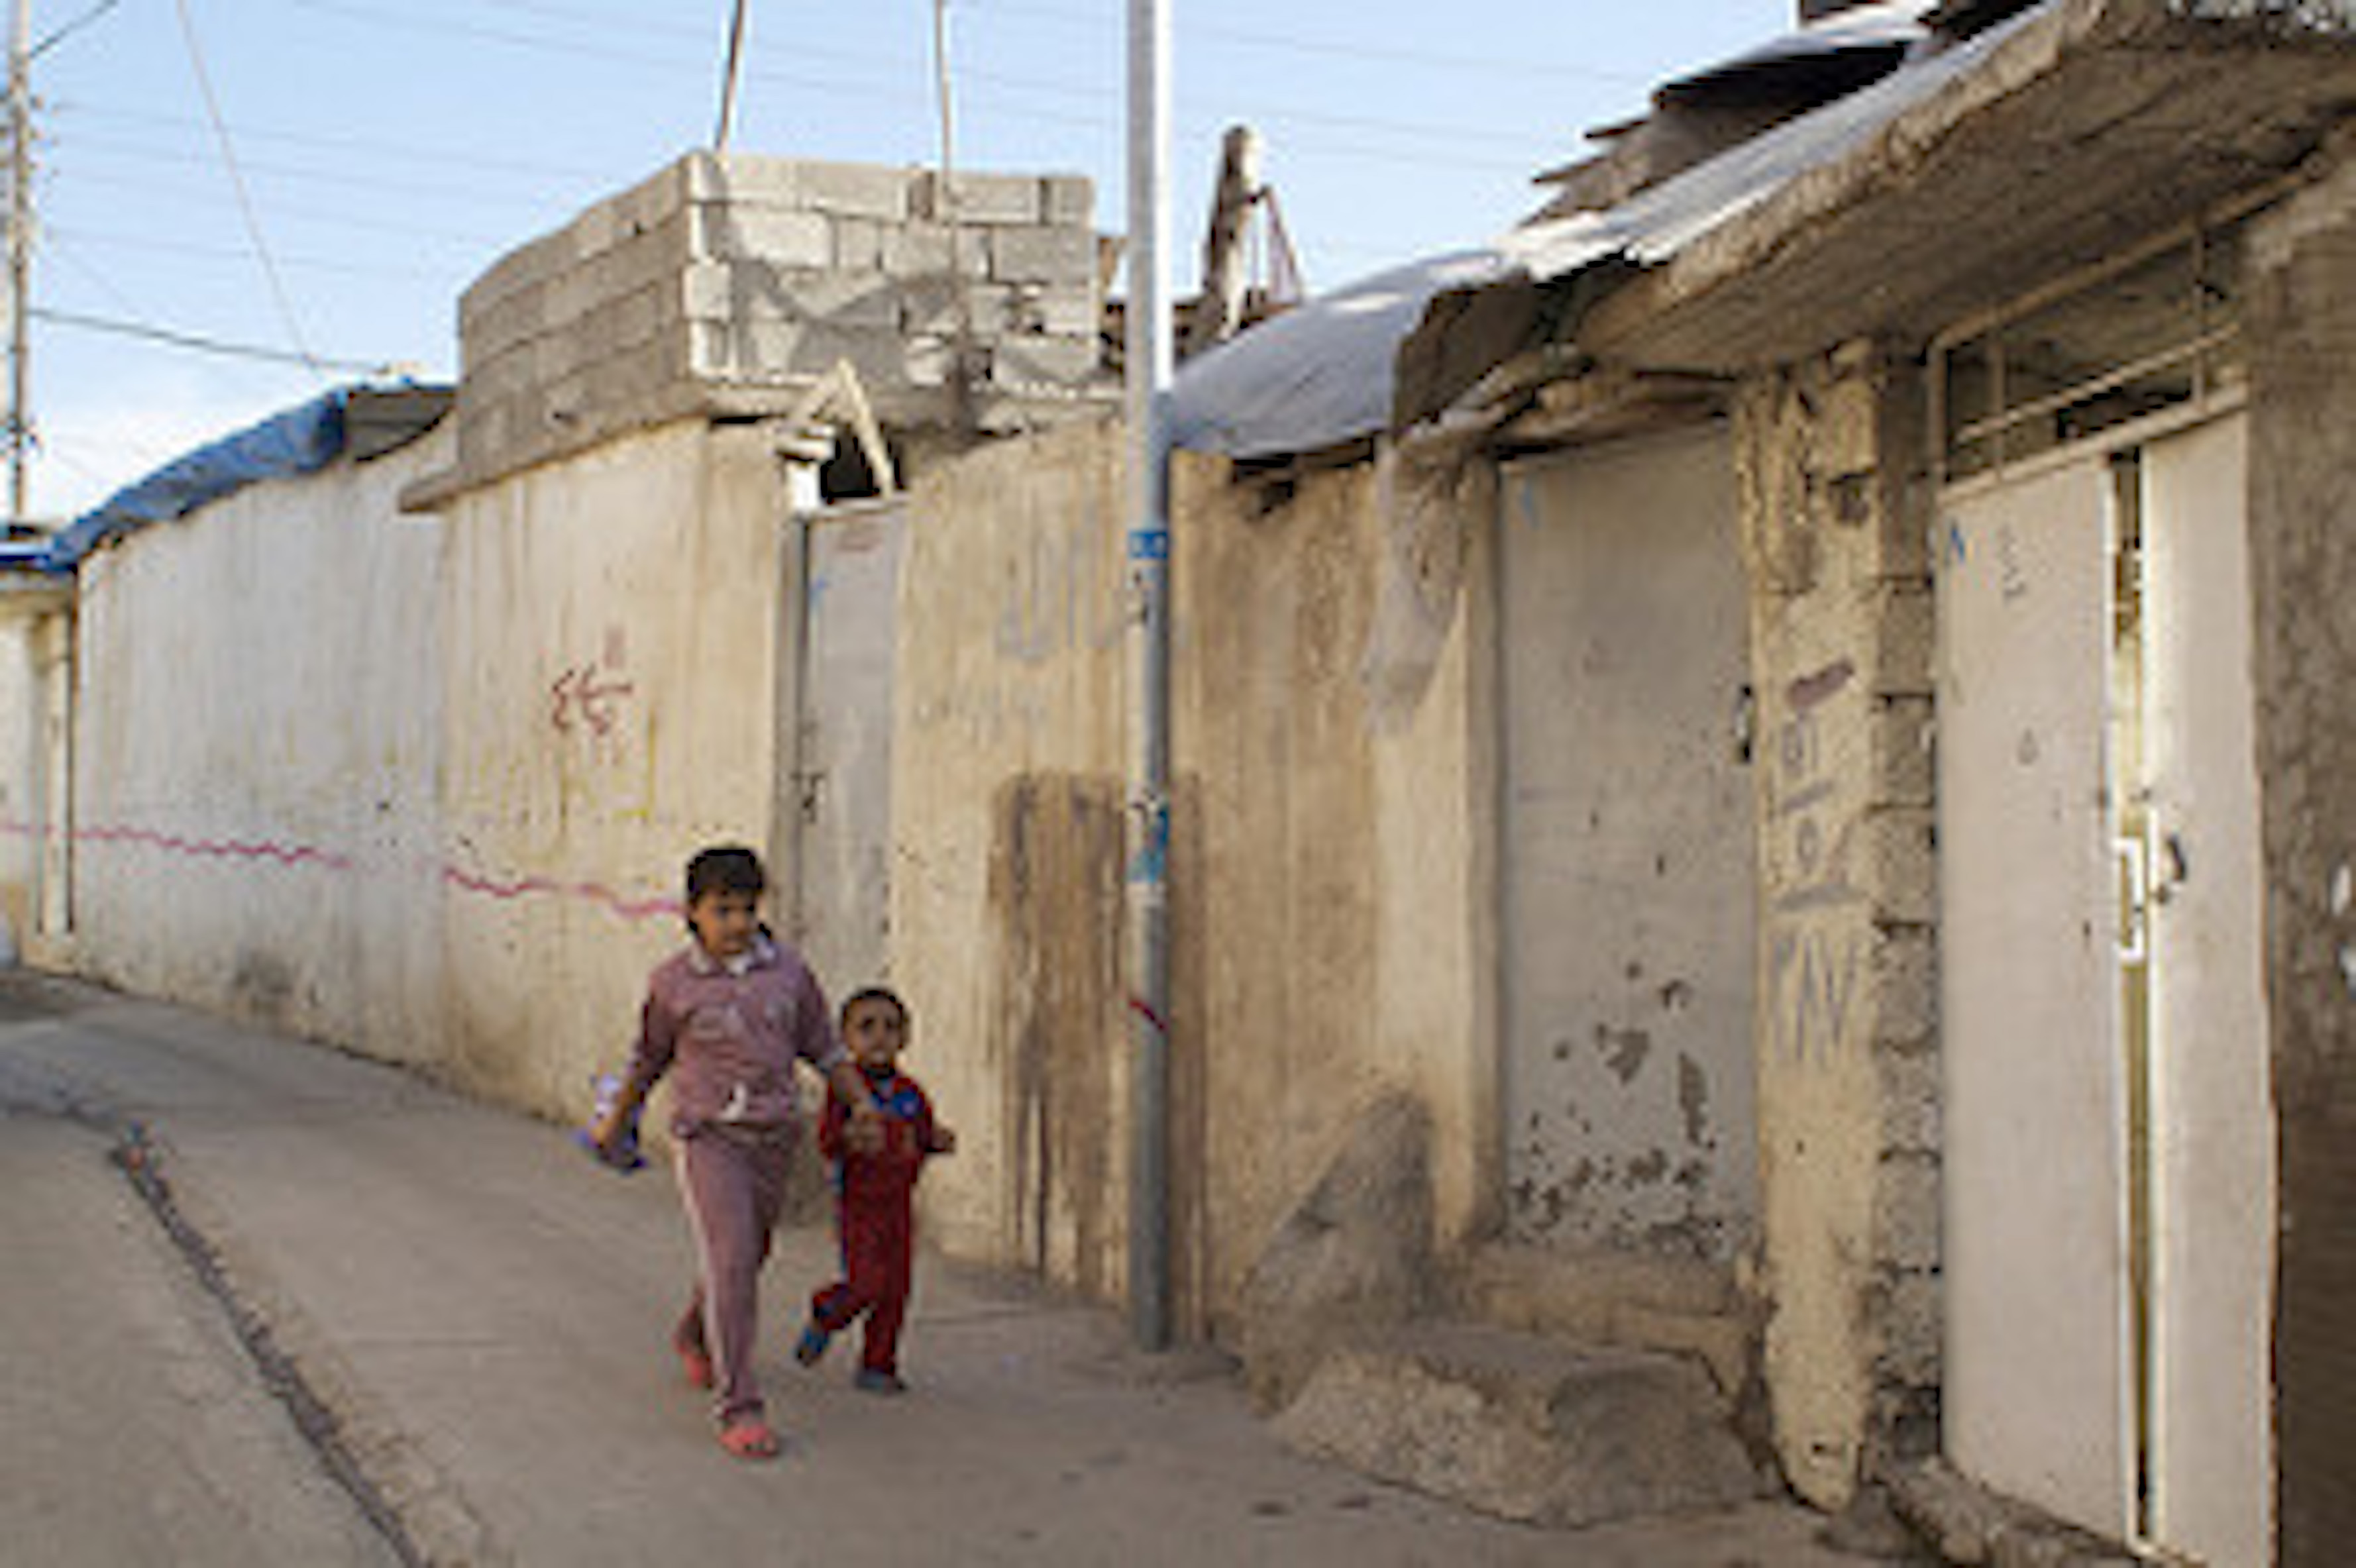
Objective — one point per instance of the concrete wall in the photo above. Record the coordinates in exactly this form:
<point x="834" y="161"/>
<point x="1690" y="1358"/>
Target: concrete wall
<point x="2302" y="338"/>
<point x="1829" y="458"/>
<point x="1334" y="713"/>
<point x="1006" y="890"/>
<point x="1328" y="848"/>
<point x="424" y="785"/>
<point x="612" y="641"/>
<point x="258" y="743"/>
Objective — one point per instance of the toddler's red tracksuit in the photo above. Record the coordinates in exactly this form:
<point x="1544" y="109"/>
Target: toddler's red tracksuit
<point x="875" y="1216"/>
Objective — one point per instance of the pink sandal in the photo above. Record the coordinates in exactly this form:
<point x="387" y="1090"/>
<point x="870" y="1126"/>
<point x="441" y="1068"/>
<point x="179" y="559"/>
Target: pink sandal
<point x="696" y="1364"/>
<point x="750" y="1439"/>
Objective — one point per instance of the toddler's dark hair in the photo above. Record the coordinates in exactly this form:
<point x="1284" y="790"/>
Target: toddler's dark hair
<point x="873" y="994"/>
<point x="725" y="869"/>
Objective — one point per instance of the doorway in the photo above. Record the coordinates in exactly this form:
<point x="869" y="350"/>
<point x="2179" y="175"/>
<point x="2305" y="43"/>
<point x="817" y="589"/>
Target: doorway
<point x="2109" y="1213"/>
<point x="1628" y="868"/>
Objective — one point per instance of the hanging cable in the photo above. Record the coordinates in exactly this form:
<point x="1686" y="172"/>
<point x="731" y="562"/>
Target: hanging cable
<point x="190" y="340"/>
<point x="244" y="198"/>
<point x="71" y="28"/>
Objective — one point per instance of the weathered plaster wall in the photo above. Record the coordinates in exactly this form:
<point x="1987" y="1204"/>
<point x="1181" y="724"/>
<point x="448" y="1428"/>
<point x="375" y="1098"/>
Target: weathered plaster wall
<point x="258" y="740"/>
<point x="2302" y="334"/>
<point x="20" y="778"/>
<point x="1333" y="718"/>
<point x="1008" y="786"/>
<point x="1828" y="456"/>
<point x="1326" y="851"/>
<point x="611" y="639"/>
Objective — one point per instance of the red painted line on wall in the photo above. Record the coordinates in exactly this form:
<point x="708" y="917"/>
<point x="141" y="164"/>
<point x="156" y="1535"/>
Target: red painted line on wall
<point x="544" y="887"/>
<point x="505" y="889"/>
<point x="218" y="848"/>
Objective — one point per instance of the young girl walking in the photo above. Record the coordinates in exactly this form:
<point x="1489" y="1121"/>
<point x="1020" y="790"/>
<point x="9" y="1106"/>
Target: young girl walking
<point x="726" y="1017"/>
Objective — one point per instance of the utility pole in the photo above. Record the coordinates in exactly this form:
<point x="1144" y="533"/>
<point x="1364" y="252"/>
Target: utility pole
<point x="1150" y="358"/>
<point x="20" y="250"/>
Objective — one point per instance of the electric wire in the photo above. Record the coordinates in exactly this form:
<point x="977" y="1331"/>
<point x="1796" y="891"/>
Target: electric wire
<point x="91" y="171"/>
<point x="68" y="110"/>
<point x="68" y="29"/>
<point x="237" y="181"/>
<point x="119" y="298"/>
<point x="866" y="89"/>
<point x="197" y="343"/>
<point x="137" y="243"/>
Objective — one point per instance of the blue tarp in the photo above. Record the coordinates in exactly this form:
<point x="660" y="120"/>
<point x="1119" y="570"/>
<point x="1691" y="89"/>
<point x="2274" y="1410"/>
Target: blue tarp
<point x="299" y="441"/>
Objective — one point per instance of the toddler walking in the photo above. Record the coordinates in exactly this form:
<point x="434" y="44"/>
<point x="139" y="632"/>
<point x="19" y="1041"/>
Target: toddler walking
<point x="876" y="1193"/>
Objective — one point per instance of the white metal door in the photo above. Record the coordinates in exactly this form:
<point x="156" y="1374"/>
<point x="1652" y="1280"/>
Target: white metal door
<point x="2212" y="1119"/>
<point x="2036" y="1212"/>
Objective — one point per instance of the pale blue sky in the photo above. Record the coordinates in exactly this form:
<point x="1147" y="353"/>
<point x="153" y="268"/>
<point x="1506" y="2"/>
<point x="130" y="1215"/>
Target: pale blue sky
<point x="390" y="150"/>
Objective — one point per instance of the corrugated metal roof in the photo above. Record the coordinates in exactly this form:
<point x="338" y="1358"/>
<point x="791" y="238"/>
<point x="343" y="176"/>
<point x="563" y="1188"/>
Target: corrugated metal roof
<point x="1895" y="25"/>
<point x="1318" y="375"/>
<point x="1324" y="374"/>
<point x="1655" y="224"/>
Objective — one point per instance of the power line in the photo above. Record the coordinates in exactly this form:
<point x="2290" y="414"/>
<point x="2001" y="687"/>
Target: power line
<point x="866" y="89"/>
<point x="134" y="155"/>
<point x="237" y="180"/>
<point x="474" y="159"/>
<point x="69" y="29"/>
<point x="70" y="254"/>
<point x="1194" y="30"/>
<point x="150" y="243"/>
<point x="202" y="344"/>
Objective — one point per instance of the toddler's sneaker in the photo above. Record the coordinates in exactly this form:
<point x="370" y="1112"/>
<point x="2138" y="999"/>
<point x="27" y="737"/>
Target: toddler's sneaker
<point x="873" y="1379"/>
<point x="811" y="1346"/>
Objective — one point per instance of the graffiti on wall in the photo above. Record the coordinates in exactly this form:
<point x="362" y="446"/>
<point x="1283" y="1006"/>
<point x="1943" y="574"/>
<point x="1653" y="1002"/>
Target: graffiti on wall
<point x="1815" y="948"/>
<point x="588" y="697"/>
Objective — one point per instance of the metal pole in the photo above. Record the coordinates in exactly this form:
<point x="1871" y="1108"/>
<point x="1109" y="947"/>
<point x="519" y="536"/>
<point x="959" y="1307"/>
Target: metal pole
<point x="729" y="75"/>
<point x="20" y="248"/>
<point x="1150" y="359"/>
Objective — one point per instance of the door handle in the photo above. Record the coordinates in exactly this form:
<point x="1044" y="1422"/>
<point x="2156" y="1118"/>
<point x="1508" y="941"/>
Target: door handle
<point x="2176" y="867"/>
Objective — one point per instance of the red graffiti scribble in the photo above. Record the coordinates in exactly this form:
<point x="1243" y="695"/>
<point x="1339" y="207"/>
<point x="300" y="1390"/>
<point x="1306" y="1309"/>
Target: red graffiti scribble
<point x="584" y="695"/>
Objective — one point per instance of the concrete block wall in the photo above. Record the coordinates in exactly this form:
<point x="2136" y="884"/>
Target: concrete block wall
<point x="1829" y="457"/>
<point x="736" y="281"/>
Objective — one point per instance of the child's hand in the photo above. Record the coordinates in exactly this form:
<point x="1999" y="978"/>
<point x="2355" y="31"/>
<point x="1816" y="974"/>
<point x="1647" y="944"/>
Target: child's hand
<point x="863" y="1131"/>
<point x="944" y="1140"/>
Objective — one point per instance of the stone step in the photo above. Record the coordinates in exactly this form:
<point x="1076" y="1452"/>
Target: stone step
<point x="1524" y="1427"/>
<point x="1679" y="1306"/>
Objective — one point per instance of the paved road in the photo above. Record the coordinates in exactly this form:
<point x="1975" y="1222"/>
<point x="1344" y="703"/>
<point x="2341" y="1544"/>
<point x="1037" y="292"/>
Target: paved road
<point x="266" y="1304"/>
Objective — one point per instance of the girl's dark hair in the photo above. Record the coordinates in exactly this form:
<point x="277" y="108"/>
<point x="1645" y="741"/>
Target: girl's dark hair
<point x="725" y="869"/>
<point x="873" y="994"/>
